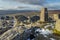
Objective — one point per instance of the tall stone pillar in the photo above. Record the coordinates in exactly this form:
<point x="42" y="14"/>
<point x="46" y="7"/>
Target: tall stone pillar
<point x="57" y="25"/>
<point x="55" y="16"/>
<point x="44" y="15"/>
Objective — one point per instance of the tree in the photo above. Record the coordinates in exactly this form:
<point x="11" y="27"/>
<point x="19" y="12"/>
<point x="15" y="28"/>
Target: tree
<point x="2" y="18"/>
<point x="21" y="18"/>
<point x="7" y="17"/>
<point x="34" y="19"/>
<point x="50" y="19"/>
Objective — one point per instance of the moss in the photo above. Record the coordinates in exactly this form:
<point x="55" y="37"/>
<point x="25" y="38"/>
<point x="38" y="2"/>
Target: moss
<point x="56" y="32"/>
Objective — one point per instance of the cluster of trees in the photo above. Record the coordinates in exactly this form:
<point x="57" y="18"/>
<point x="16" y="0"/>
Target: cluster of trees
<point x="22" y="18"/>
<point x="6" y="17"/>
<point x="8" y="23"/>
<point x="50" y="19"/>
<point x="33" y="19"/>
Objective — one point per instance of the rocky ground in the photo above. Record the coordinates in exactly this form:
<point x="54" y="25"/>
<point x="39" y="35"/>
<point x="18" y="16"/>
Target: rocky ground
<point x="36" y="33"/>
<point x="2" y="30"/>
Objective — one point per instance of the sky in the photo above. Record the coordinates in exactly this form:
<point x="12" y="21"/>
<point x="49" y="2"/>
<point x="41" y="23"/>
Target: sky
<point x="29" y="4"/>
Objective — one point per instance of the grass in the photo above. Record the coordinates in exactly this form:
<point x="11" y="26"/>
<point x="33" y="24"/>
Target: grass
<point x="56" y="32"/>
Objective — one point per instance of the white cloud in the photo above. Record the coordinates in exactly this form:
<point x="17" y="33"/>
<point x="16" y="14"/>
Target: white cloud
<point x="54" y="5"/>
<point x="17" y="5"/>
<point x="28" y="4"/>
<point x="29" y="1"/>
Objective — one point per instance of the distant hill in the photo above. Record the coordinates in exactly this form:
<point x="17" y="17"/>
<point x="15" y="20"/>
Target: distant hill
<point x="26" y="12"/>
<point x="54" y="11"/>
<point x="3" y="12"/>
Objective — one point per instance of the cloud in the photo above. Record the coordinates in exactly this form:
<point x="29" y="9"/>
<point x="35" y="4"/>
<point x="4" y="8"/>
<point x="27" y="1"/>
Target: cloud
<point x="30" y="7"/>
<point x="29" y="4"/>
<point x="54" y="5"/>
<point x="5" y="5"/>
<point x="36" y="2"/>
